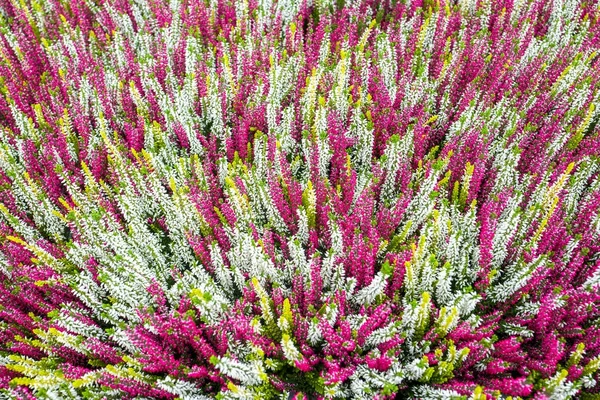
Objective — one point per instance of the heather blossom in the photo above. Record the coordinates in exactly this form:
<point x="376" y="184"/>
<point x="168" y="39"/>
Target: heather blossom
<point x="284" y="199"/>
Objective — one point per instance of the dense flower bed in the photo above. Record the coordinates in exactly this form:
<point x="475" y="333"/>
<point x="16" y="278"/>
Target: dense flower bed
<point x="332" y="199"/>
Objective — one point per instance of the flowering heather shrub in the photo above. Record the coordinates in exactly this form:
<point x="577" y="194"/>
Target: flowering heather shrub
<point x="259" y="200"/>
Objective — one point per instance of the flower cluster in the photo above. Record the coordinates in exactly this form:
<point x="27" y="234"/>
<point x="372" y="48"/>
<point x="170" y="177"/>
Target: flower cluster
<point x="320" y="199"/>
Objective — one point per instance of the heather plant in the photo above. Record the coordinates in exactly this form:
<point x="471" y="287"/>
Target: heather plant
<point x="315" y="199"/>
